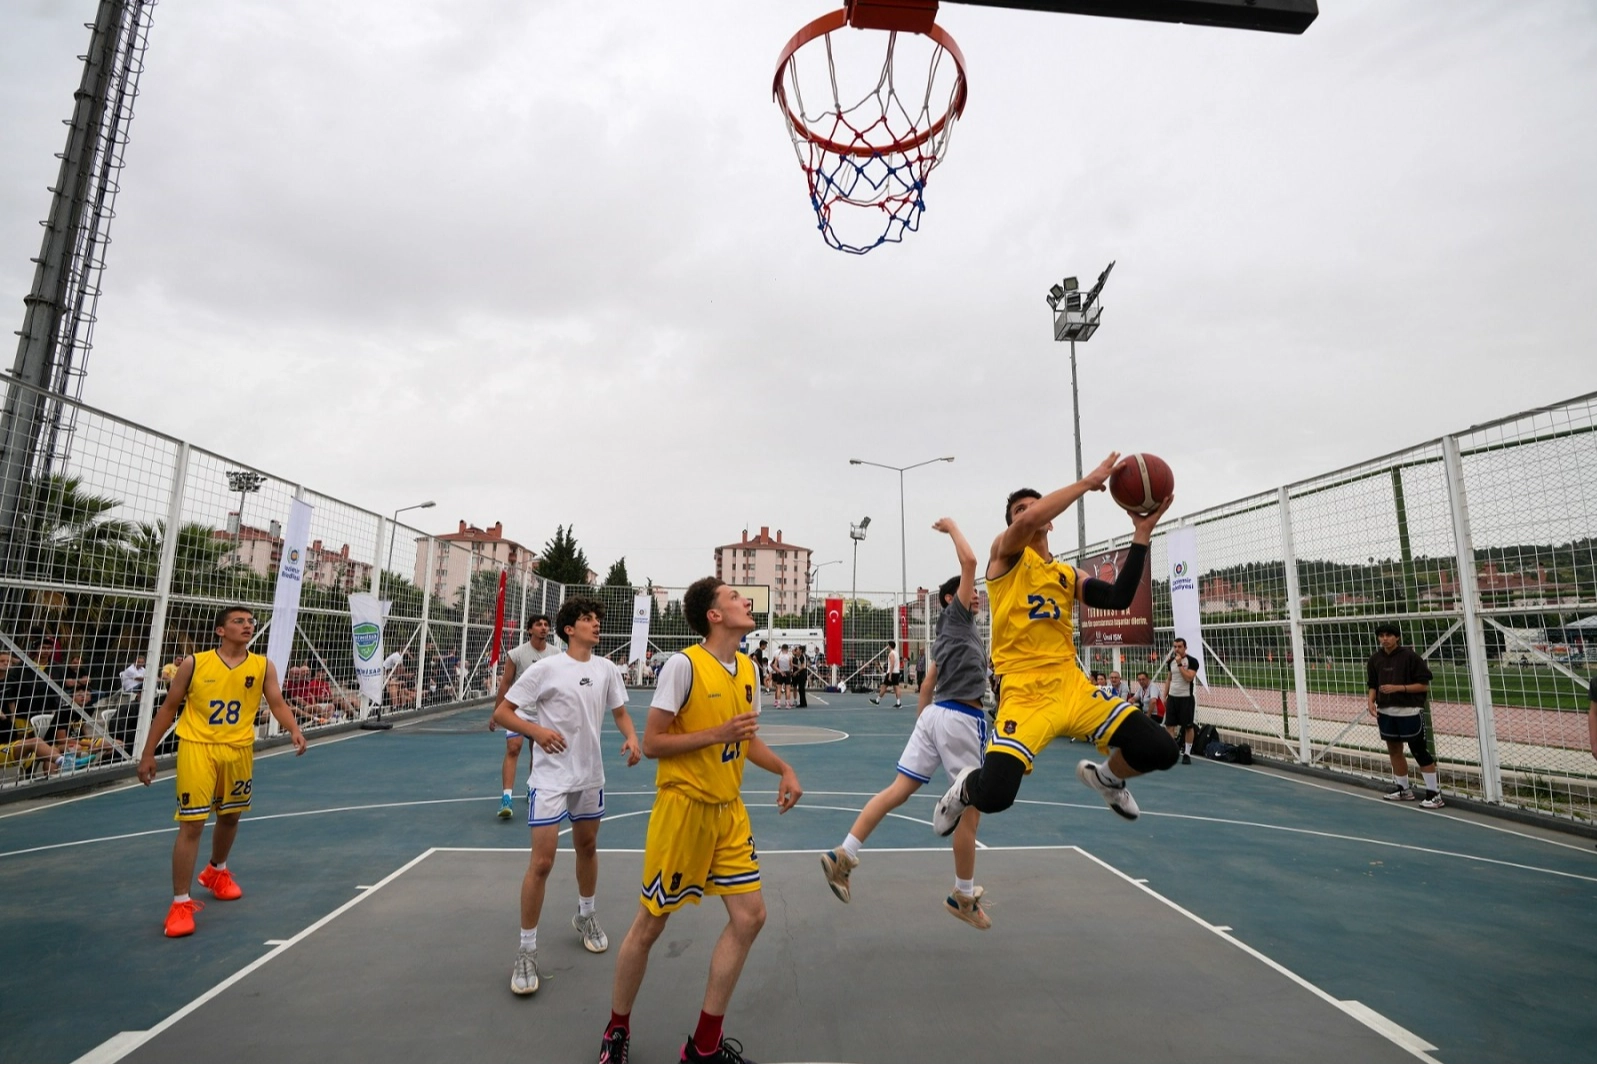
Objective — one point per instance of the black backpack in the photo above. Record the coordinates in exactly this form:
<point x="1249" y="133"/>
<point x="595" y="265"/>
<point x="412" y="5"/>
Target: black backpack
<point x="1203" y="736"/>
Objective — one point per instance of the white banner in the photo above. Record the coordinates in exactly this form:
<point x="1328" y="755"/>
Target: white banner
<point x="367" y="616"/>
<point x="640" y="627"/>
<point x="1181" y="545"/>
<point x="290" y="577"/>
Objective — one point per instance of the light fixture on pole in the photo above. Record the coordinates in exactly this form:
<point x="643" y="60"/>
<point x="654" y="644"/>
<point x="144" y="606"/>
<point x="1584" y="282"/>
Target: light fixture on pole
<point x="809" y="580"/>
<point x="1076" y="318"/>
<point x="245" y="483"/>
<point x="855" y="533"/>
<point x="393" y="527"/>
<point x="903" y="537"/>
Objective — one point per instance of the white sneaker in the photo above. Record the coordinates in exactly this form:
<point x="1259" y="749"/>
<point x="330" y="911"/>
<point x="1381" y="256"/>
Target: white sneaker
<point x="593" y="936"/>
<point x="952" y="805"/>
<point x="1119" y="799"/>
<point x="524" y="978"/>
<point x="837" y="865"/>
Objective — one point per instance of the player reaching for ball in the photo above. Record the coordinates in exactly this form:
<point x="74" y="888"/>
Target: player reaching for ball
<point x="1044" y="694"/>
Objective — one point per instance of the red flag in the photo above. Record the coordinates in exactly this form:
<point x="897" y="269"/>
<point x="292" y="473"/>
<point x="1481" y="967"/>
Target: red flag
<point x="834" y="632"/>
<point x="903" y="631"/>
<point x="499" y="622"/>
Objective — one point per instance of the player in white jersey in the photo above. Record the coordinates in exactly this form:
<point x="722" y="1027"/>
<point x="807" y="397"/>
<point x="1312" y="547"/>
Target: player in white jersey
<point x="559" y="703"/>
<point x="517" y="662"/>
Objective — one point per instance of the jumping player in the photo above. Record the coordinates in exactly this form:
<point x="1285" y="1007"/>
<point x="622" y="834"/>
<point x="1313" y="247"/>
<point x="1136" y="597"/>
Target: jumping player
<point x="219" y="693"/>
<point x="559" y="702"/>
<point x="1044" y="693"/>
<point x="517" y="662"/>
<point x="950" y="732"/>
<point x="701" y="727"/>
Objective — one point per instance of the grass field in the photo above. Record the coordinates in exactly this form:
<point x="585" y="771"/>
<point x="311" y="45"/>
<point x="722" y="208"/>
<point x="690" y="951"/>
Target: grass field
<point x="1511" y="686"/>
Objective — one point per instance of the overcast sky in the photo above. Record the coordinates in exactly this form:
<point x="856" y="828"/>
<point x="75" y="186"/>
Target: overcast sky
<point x="554" y="263"/>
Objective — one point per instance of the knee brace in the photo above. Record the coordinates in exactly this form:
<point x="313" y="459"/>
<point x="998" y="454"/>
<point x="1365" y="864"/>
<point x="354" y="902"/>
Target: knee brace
<point x="1144" y="745"/>
<point x="994" y="786"/>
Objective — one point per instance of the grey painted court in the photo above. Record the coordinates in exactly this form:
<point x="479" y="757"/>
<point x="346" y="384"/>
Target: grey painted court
<point x="1081" y="965"/>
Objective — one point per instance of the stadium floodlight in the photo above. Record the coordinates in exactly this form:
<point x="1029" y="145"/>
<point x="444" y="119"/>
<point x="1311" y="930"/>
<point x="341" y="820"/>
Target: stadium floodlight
<point x="244" y="482"/>
<point x="1057" y="292"/>
<point x="1071" y="284"/>
<point x="1076" y="318"/>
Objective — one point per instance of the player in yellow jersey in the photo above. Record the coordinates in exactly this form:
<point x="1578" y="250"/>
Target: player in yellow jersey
<point x="220" y="693"/>
<point x="701" y="727"/>
<point x="1043" y="693"/>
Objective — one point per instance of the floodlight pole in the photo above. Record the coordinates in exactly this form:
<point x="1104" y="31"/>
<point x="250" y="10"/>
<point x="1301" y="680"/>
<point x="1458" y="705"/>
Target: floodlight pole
<point x="903" y="539"/>
<point x="1081" y="504"/>
<point x="855" y="533"/>
<point x="1076" y="317"/>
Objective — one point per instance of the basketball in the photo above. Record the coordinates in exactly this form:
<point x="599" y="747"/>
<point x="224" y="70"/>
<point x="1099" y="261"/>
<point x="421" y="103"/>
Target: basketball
<point x="1140" y="482"/>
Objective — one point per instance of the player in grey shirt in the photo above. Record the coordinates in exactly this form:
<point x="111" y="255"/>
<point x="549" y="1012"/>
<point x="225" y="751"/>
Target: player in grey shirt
<point x="950" y="731"/>
<point x="538" y="646"/>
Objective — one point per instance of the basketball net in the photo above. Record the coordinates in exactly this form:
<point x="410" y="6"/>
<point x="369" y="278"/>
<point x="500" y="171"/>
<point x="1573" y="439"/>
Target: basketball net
<point x="867" y="157"/>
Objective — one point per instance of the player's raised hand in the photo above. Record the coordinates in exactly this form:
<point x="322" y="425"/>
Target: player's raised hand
<point x="1144" y="523"/>
<point x="740" y="728"/>
<point x="945" y="525"/>
<point x="1098" y="478"/>
<point x="633" y="752"/>
<point x="788" y="791"/>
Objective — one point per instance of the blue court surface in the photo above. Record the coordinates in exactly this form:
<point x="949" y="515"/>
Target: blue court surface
<point x="1248" y="915"/>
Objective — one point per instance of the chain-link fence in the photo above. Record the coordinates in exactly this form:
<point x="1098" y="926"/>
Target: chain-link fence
<point x="1481" y="546"/>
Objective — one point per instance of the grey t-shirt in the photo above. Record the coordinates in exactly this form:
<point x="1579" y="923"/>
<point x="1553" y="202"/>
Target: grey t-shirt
<point x="527" y="654"/>
<point x="961" y="660"/>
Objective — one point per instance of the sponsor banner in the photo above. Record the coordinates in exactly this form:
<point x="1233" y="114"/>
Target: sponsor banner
<point x="367" y="616"/>
<point x="290" y="578"/>
<point x="1182" y="547"/>
<point x="1132" y="627"/>
<point x="834" y="632"/>
<point x="641" y="604"/>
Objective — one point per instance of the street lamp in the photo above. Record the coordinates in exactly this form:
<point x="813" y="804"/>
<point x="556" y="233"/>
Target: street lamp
<point x="903" y="538"/>
<point x="809" y="580"/>
<point x="393" y="527"/>
<point x="855" y="533"/>
<point x="1076" y="318"/>
<point x="244" y="482"/>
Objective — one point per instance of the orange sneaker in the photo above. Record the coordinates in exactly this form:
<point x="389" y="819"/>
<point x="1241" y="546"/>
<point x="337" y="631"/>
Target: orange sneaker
<point x="220" y="882"/>
<point x="180" y="918"/>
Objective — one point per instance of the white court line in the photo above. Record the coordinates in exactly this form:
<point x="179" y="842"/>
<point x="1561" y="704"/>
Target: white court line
<point x="127" y="1042"/>
<point x="1363" y="1014"/>
<point x="1293" y="778"/>
<point x="1330" y="835"/>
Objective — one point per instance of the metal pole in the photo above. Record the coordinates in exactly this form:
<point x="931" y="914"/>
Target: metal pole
<point x="853" y="597"/>
<point x="1081" y="504"/>
<point x="1474" y="637"/>
<point x="1294" y="605"/>
<point x="903" y="577"/>
<point x="426" y="624"/>
<point x="465" y="623"/>
<point x="163" y="597"/>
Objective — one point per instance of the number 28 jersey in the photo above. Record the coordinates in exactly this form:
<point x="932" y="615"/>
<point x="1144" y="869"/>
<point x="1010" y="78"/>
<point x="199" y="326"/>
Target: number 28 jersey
<point x="1032" y="619"/>
<point x="715" y="695"/>
<point x="223" y="700"/>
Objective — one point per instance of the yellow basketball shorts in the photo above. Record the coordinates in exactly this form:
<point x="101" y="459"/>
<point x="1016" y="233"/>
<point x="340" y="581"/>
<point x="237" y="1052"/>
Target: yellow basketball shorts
<point x="213" y="775"/>
<point x="1036" y="708"/>
<point x="12" y="753"/>
<point x="695" y="849"/>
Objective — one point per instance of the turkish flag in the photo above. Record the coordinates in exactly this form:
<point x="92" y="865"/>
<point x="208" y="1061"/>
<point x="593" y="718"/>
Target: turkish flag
<point x="499" y="622"/>
<point x="834" y="632"/>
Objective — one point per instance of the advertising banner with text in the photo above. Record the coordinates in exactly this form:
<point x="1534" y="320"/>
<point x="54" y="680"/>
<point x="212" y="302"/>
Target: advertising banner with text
<point x="1117" y="628"/>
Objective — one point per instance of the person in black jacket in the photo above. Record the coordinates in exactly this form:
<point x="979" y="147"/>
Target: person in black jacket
<point x="1397" y="680"/>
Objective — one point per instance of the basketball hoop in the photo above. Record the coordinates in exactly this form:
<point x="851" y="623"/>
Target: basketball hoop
<point x="867" y="160"/>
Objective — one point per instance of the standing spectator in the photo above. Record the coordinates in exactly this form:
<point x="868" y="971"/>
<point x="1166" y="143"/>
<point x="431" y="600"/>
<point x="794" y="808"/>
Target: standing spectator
<point x="1181" y="708"/>
<point x="132" y="678"/>
<point x="892" y="678"/>
<point x="1397" y="679"/>
<point x="1146" y="696"/>
<point x="782" y="677"/>
<point x="801" y="675"/>
<point x="758" y="658"/>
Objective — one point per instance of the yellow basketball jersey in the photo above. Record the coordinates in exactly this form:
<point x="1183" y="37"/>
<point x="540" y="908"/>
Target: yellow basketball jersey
<point x="223" y="701"/>
<point x="713" y="773"/>
<point x="1031" y="610"/>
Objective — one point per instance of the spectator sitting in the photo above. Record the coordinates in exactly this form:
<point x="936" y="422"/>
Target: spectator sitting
<point x="1116" y="688"/>
<point x="299" y="692"/>
<point x="132" y="678"/>
<point x="1147" y="696"/>
<point x="17" y="743"/>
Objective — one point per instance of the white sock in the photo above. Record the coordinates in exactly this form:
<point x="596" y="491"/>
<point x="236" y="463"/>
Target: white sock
<point x="529" y="938"/>
<point x="1402" y="781"/>
<point x="507" y="793"/>
<point x="1186" y="749"/>
<point x="851" y="846"/>
<point x="585" y="906"/>
<point x="181" y="898"/>
<point x="964" y="887"/>
<point x="1108" y="777"/>
<point x="1431" y="782"/>
<point x="218" y="865"/>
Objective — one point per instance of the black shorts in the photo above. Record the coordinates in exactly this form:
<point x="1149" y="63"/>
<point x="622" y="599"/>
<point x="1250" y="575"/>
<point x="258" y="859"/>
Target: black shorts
<point x="892" y="680"/>
<point x="1400" y="727"/>
<point x="783" y="679"/>
<point x="1179" y="710"/>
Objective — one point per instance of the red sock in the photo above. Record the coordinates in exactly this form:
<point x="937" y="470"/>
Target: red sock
<point x="622" y="1021"/>
<point x="707" y="1036"/>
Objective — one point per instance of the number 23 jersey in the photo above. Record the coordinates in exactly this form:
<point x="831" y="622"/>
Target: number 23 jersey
<point x="1032" y="620"/>
<point x="714" y="695"/>
<point x="223" y="700"/>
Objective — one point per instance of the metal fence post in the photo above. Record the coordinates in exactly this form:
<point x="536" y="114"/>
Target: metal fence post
<point x="1474" y="638"/>
<point x="1294" y="606"/>
<point x="462" y="670"/>
<point x="163" y="597"/>
<point x="426" y="627"/>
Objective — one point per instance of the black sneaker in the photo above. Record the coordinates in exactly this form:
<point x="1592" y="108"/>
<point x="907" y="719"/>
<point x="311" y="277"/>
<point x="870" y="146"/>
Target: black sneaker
<point x="1186" y="759"/>
<point x="729" y="1050"/>
<point x="616" y="1042"/>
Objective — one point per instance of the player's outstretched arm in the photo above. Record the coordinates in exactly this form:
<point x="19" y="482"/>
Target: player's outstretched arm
<point x="964" y="553"/>
<point x="164" y="716"/>
<point x="1030" y="521"/>
<point x="788" y="789"/>
<point x="281" y="710"/>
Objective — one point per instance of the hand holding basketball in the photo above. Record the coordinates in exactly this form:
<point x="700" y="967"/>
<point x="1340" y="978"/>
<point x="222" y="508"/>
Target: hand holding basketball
<point x="1099" y="476"/>
<point x="1142" y="484"/>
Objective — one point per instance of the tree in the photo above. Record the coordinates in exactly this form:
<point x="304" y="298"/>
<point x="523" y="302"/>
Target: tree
<point x="563" y="560"/>
<point x="617" y="577"/>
